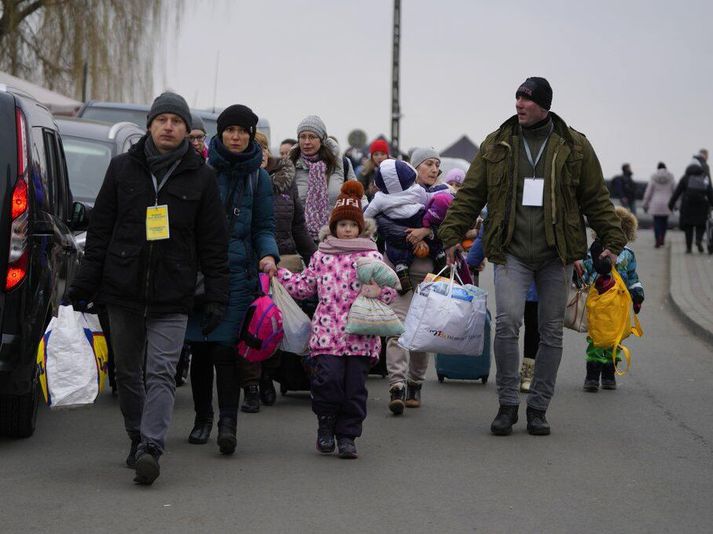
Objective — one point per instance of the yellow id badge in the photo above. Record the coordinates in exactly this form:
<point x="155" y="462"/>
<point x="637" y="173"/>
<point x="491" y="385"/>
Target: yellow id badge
<point x="157" y="223"/>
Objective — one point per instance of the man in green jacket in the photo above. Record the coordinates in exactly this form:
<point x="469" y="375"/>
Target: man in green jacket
<point x="539" y="179"/>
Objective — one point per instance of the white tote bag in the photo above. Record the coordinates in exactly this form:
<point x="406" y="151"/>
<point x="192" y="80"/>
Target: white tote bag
<point x="295" y="323"/>
<point x="446" y="318"/>
<point x="70" y="365"/>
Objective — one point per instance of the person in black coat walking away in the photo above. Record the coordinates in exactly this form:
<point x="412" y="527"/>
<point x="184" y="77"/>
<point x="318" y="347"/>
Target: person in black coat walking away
<point x="696" y="200"/>
<point x="625" y="188"/>
<point x="157" y="218"/>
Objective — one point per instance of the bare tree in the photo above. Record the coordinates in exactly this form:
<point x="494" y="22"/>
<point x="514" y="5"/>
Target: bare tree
<point x="49" y="41"/>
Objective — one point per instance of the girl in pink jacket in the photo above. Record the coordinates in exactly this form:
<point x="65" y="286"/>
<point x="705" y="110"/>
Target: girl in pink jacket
<point x="342" y="360"/>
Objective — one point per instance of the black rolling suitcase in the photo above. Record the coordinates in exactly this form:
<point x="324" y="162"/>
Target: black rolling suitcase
<point x="294" y="373"/>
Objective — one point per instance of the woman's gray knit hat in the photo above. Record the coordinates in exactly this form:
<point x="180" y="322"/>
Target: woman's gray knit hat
<point x="169" y="103"/>
<point x="197" y="123"/>
<point x="314" y="124"/>
<point x="422" y="154"/>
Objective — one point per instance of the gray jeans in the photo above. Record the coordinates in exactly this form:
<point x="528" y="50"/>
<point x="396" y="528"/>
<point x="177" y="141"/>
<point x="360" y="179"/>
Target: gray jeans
<point x="146" y="351"/>
<point x="512" y="281"/>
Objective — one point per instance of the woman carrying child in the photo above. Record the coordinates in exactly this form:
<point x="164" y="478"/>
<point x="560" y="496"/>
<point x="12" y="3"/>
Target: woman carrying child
<point x="342" y="360"/>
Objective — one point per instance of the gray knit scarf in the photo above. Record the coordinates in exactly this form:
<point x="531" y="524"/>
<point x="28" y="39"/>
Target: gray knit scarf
<point x="160" y="163"/>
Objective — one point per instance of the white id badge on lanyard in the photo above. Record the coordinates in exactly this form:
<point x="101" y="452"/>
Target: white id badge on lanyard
<point x="533" y="192"/>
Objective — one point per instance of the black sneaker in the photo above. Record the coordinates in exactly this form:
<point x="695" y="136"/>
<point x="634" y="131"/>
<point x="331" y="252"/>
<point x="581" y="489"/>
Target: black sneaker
<point x="402" y="271"/>
<point x="347" y="448"/>
<point x="325" y="433"/>
<point x="251" y="403"/>
<point x="268" y="395"/>
<point x="506" y="417"/>
<point x="147" y="468"/>
<point x="397" y="404"/>
<point x="131" y="458"/>
<point x="700" y="247"/>
<point x="537" y="424"/>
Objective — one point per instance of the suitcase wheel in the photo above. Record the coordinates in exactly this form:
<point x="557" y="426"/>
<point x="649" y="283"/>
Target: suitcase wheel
<point x="441" y="378"/>
<point x="484" y="379"/>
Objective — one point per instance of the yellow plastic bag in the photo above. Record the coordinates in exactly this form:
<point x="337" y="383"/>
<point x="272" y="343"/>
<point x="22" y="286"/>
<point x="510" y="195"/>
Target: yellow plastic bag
<point x="609" y="318"/>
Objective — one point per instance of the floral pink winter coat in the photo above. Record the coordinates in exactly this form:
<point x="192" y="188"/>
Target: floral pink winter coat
<point x="333" y="278"/>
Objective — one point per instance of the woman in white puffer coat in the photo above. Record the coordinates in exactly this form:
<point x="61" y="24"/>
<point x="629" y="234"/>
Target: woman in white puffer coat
<point x="658" y="192"/>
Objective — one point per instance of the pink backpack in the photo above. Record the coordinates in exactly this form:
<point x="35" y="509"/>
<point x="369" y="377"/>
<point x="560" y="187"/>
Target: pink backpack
<point x="261" y="331"/>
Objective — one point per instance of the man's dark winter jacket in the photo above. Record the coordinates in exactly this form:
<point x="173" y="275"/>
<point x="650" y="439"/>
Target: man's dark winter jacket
<point x="122" y="268"/>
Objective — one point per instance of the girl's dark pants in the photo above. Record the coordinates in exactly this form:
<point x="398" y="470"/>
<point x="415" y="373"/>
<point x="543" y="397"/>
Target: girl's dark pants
<point x="660" y="225"/>
<point x="339" y="389"/>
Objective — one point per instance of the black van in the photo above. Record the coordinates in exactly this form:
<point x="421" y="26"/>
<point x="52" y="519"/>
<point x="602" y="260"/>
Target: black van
<point x="38" y="254"/>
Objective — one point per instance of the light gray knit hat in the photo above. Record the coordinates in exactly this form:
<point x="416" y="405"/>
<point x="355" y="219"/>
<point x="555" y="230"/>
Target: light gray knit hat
<point x="422" y="154"/>
<point x="314" y="124"/>
<point x="197" y="123"/>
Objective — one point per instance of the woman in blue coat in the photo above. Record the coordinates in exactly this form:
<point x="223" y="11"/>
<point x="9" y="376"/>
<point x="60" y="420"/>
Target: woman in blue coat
<point x="246" y="193"/>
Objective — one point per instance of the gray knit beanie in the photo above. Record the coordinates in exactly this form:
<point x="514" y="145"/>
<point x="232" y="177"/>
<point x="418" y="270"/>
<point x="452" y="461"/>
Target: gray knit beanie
<point x="197" y="123"/>
<point x="169" y="103"/>
<point x="422" y="154"/>
<point x="314" y="124"/>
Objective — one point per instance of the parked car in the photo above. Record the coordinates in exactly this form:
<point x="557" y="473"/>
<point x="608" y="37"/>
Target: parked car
<point x="116" y="112"/>
<point x="38" y="254"/>
<point x="89" y="146"/>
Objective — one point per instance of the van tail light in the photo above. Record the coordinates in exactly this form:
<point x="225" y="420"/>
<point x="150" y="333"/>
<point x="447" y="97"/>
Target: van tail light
<point x="17" y="259"/>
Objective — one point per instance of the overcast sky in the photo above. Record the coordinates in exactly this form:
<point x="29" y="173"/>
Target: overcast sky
<point x="633" y="75"/>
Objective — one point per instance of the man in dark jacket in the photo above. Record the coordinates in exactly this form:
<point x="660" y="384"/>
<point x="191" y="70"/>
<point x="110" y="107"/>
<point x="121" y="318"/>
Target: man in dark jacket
<point x="625" y="188"/>
<point x="157" y="219"/>
<point x="539" y="178"/>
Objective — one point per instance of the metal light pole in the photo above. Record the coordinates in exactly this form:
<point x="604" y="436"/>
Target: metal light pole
<point x="395" y="104"/>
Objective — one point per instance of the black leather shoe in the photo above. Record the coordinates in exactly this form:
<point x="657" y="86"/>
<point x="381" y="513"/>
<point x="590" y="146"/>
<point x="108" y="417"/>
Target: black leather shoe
<point x="502" y="424"/>
<point x="268" y="395"/>
<point x="251" y="403"/>
<point x="347" y="448"/>
<point x="131" y="458"/>
<point x="147" y="468"/>
<point x="325" y="433"/>
<point x="227" y="439"/>
<point x="537" y="424"/>
<point x="201" y="431"/>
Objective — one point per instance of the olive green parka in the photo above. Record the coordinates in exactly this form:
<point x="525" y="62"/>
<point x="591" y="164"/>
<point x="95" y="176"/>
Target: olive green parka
<point x="574" y="188"/>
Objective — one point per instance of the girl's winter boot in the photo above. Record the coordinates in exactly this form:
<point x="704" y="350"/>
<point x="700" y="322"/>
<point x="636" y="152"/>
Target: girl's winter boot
<point x="591" y="383"/>
<point x="325" y="433"/>
<point x="608" y="376"/>
<point x="347" y="448"/>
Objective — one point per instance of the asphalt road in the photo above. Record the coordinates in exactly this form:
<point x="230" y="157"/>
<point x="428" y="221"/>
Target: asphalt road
<point x="639" y="459"/>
